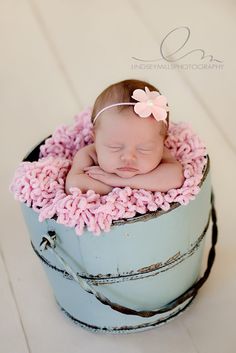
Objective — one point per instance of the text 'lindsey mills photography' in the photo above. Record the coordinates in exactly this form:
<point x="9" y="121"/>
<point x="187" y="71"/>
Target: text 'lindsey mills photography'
<point x="175" y="58"/>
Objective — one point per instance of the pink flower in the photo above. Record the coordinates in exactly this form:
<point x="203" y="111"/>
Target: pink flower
<point x="150" y="102"/>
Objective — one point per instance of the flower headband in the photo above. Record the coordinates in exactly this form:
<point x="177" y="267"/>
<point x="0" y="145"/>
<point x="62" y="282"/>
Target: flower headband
<point x="149" y="102"/>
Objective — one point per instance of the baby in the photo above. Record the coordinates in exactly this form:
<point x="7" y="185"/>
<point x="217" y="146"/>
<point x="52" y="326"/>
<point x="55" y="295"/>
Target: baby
<point x="130" y="124"/>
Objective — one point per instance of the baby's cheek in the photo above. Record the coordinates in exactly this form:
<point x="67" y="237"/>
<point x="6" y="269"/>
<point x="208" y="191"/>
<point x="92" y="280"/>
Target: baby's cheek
<point x="159" y="154"/>
<point x="152" y="162"/>
<point x="106" y="162"/>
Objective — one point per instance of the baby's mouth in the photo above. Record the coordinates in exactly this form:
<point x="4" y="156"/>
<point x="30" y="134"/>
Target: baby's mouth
<point x="128" y="169"/>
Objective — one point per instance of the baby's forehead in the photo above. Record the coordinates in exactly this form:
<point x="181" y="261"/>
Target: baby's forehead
<point x="130" y="142"/>
<point x="118" y="127"/>
<point x="129" y="139"/>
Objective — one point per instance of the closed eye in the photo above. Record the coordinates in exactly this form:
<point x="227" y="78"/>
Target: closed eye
<point x="144" y="150"/>
<point x="114" y="148"/>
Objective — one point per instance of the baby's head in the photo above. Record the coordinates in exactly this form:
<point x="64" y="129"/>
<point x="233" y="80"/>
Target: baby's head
<point x="122" y="138"/>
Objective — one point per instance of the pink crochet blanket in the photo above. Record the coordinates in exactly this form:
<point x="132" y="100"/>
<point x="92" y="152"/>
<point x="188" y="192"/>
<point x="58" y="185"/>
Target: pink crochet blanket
<point x="40" y="184"/>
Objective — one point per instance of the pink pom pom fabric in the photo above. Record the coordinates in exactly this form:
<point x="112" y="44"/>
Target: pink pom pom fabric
<point x="40" y="184"/>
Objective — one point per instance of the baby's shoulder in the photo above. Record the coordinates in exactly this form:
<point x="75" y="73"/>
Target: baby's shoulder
<point x="84" y="157"/>
<point x="92" y="152"/>
<point x="87" y="151"/>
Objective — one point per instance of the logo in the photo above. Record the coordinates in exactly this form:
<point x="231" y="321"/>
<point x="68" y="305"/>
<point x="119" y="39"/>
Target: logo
<point x="173" y="59"/>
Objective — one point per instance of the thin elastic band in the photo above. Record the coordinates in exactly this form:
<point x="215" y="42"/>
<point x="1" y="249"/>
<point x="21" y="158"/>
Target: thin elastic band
<point x="110" y="106"/>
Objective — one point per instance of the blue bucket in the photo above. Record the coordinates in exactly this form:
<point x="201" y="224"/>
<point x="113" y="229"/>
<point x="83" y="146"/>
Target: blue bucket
<point x="141" y="274"/>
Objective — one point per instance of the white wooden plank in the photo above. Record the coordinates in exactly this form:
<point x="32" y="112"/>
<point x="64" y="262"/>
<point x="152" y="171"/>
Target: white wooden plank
<point x="35" y="94"/>
<point x="96" y="43"/>
<point x="10" y="324"/>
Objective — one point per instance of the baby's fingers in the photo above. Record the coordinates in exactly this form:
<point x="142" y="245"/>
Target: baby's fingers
<point x="94" y="172"/>
<point x="96" y="176"/>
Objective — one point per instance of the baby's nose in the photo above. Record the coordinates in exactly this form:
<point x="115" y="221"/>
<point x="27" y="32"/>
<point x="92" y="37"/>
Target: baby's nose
<point x="128" y="156"/>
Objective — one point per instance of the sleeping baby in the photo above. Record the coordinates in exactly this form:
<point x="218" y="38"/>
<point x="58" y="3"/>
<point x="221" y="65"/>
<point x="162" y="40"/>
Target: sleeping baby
<point x="130" y="124"/>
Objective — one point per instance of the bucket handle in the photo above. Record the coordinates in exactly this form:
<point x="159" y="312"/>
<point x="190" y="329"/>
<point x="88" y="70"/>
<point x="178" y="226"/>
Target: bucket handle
<point x="49" y="242"/>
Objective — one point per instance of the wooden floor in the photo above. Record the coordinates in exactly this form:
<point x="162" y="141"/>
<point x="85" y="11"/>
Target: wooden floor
<point x="56" y="57"/>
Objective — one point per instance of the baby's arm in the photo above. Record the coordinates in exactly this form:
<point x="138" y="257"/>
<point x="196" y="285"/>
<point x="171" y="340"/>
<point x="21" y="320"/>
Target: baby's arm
<point x="165" y="176"/>
<point x="77" y="178"/>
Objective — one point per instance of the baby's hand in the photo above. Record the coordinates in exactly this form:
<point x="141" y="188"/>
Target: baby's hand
<point x="98" y="173"/>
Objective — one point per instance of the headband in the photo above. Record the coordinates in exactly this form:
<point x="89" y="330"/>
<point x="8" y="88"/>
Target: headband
<point x="149" y="102"/>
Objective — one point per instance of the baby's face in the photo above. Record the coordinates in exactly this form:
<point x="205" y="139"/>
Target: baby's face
<point x="124" y="140"/>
